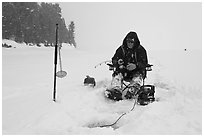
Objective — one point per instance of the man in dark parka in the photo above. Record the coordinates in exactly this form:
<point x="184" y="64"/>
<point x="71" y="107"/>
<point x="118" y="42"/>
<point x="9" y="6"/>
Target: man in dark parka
<point x="130" y="60"/>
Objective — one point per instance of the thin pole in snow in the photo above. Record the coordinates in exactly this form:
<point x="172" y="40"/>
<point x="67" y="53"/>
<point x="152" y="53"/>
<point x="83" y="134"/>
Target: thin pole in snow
<point x="55" y="64"/>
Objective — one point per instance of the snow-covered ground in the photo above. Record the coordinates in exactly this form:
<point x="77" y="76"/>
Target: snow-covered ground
<point x="27" y="85"/>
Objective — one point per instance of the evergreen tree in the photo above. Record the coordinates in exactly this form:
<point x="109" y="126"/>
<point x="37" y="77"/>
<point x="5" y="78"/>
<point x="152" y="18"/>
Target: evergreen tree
<point x="31" y="22"/>
<point x="72" y="34"/>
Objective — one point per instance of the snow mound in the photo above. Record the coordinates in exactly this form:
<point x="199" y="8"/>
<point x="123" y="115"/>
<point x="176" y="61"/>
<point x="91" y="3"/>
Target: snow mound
<point x="14" y="44"/>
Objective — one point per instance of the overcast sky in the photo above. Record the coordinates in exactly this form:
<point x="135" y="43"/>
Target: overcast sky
<point x="158" y="25"/>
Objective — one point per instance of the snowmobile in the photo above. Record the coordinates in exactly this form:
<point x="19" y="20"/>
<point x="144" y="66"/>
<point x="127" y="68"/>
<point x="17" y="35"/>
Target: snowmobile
<point x="143" y="93"/>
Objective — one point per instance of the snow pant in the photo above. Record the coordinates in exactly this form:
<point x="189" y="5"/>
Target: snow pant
<point x="134" y="83"/>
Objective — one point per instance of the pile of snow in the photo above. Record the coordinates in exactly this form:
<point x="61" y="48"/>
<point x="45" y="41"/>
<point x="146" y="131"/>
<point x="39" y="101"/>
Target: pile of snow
<point x="14" y="44"/>
<point x="27" y="85"/>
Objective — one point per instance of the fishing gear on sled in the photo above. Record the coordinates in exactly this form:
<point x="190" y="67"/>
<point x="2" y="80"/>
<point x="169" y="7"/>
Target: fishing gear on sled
<point x="61" y="73"/>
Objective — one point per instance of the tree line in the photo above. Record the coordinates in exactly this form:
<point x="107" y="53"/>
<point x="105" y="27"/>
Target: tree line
<point x="35" y="23"/>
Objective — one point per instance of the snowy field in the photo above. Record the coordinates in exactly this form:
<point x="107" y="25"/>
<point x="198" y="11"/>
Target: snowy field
<point x="27" y="85"/>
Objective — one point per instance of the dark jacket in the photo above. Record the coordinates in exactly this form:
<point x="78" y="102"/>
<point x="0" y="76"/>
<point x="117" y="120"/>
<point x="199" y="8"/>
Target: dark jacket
<point x="136" y="55"/>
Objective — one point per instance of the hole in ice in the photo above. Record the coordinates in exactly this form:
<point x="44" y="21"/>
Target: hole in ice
<point x="101" y="124"/>
<point x="95" y="124"/>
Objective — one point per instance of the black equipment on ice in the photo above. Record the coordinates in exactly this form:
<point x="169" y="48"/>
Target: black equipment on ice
<point x="89" y="81"/>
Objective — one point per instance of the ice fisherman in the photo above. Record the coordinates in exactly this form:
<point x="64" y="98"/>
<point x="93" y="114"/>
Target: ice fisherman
<point x="130" y="61"/>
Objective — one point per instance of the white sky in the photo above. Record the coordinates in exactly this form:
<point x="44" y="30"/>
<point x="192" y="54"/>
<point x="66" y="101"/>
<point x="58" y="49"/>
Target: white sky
<point x="159" y="25"/>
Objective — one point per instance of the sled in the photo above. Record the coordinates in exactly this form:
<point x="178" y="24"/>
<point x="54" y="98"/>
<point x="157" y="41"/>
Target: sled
<point x="144" y="94"/>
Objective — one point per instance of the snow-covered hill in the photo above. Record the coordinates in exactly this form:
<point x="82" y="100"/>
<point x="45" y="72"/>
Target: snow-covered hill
<point x="27" y="85"/>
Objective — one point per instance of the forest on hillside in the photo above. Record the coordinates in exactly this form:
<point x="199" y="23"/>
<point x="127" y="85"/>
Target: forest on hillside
<point x="35" y="23"/>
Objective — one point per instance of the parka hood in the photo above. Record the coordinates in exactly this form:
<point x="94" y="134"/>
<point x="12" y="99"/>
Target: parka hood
<point x="132" y="35"/>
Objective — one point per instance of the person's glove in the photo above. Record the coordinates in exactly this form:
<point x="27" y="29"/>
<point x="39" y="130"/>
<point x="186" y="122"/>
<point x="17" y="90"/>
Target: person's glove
<point x="121" y="66"/>
<point x="131" y="66"/>
<point x="114" y="62"/>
